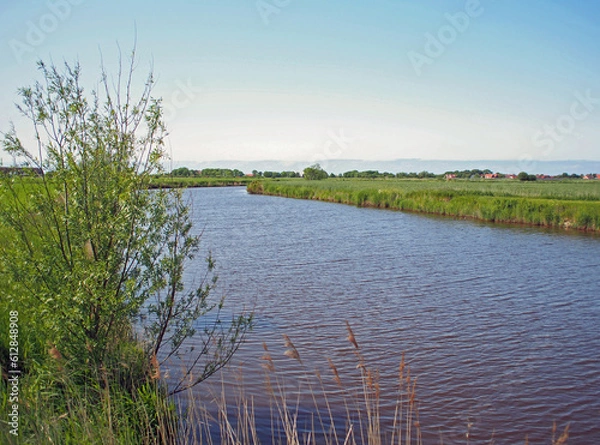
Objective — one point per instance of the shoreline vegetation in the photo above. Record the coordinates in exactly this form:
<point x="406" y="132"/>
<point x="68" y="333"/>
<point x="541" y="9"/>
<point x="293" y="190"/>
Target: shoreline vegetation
<point x="94" y="304"/>
<point x="166" y="182"/>
<point x="564" y="205"/>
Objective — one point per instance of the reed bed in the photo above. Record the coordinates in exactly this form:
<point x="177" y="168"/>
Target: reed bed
<point x="338" y="406"/>
<point x="572" y="205"/>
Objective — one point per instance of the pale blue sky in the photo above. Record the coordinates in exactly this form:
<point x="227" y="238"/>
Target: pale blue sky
<point x="305" y="80"/>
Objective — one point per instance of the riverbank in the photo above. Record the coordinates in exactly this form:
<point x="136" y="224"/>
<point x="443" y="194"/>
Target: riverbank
<point x="566" y="205"/>
<point x="165" y="181"/>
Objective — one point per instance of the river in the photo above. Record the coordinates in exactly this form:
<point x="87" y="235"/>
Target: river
<point x="500" y="324"/>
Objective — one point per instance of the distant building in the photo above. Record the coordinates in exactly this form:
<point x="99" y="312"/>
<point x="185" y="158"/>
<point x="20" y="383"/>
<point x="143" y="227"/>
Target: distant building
<point x="21" y="171"/>
<point x="510" y="176"/>
<point x="491" y="176"/>
<point x="450" y="176"/>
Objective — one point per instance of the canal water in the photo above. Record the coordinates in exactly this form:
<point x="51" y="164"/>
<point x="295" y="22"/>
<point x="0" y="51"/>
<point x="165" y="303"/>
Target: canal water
<point x="500" y="325"/>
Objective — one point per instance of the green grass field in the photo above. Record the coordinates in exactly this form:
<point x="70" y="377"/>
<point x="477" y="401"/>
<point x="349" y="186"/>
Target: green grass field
<point x="561" y="204"/>
<point x="567" y="189"/>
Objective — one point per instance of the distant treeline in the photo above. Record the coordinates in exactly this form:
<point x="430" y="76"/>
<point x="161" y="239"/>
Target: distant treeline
<point x="230" y="173"/>
<point x="373" y="174"/>
<point x="208" y="173"/>
<point x="316" y="172"/>
<point x="269" y="174"/>
<point x="460" y="174"/>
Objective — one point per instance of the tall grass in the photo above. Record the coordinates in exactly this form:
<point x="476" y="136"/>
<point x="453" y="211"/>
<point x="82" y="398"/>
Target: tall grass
<point x="337" y="406"/>
<point x="125" y="402"/>
<point x="333" y="407"/>
<point x="579" y="190"/>
<point x="561" y="205"/>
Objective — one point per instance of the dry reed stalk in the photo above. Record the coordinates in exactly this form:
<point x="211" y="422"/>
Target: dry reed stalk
<point x="563" y="437"/>
<point x="329" y="411"/>
<point x="351" y="337"/>
<point x="154" y="368"/>
<point x="291" y="352"/>
<point x="336" y="374"/>
<point x="269" y="366"/>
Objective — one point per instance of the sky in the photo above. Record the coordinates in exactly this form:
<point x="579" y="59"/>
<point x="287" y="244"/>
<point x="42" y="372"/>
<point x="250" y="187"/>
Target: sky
<point x="314" y="80"/>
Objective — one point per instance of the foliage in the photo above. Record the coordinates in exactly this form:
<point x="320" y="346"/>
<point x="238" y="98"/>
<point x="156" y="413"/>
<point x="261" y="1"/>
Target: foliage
<point x="524" y="176"/>
<point x="221" y="173"/>
<point x="182" y="172"/>
<point x="207" y="173"/>
<point x="314" y="172"/>
<point x="90" y="251"/>
<point x="468" y="174"/>
<point x="283" y="174"/>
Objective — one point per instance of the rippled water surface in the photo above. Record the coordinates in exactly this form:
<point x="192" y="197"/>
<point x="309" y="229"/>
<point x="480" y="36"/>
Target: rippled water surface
<point x="501" y="325"/>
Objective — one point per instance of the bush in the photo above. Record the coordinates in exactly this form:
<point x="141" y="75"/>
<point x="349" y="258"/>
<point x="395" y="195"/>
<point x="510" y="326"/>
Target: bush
<point x="88" y="248"/>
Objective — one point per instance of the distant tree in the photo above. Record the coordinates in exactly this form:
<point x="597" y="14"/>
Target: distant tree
<point x="181" y="171"/>
<point x="523" y="176"/>
<point x="426" y="174"/>
<point x="221" y="173"/>
<point x="315" y="172"/>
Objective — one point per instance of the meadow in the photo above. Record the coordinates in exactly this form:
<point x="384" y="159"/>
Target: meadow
<point x="567" y="204"/>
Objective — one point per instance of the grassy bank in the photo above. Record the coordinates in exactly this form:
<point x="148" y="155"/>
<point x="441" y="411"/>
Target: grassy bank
<point x="166" y="181"/>
<point x="567" y="205"/>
